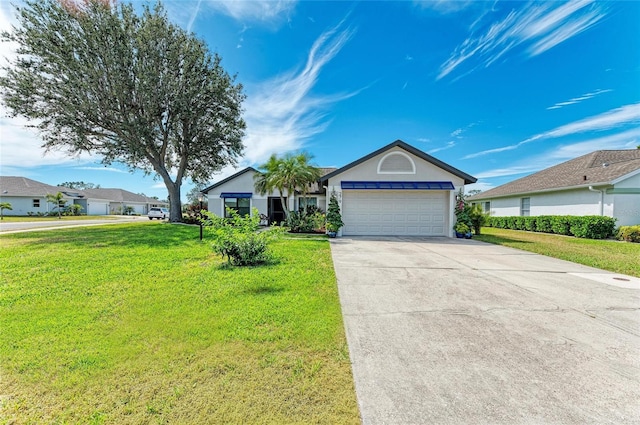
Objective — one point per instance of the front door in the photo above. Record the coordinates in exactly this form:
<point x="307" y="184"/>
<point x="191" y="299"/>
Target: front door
<point x="276" y="212"/>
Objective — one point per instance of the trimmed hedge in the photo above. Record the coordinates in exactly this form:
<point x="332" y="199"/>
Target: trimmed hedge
<point x="588" y="226"/>
<point x="629" y="233"/>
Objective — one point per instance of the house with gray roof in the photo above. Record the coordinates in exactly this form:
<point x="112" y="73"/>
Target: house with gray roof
<point x="395" y="190"/>
<point x="29" y="197"/>
<point x="604" y="182"/>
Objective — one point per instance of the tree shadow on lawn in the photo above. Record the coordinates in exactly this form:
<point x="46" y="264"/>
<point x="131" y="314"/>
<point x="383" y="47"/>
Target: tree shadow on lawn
<point x="500" y="240"/>
<point x="120" y="235"/>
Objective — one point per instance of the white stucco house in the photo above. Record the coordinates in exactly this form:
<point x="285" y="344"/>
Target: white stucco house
<point x="604" y="182"/>
<point x="396" y="190"/>
<point x="29" y="197"/>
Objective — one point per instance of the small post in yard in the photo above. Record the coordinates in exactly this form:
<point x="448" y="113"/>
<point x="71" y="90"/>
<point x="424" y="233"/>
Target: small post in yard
<point x="200" y="214"/>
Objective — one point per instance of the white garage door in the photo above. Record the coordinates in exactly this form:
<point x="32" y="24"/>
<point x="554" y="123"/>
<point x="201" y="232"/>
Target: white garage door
<point x="98" y="208"/>
<point x="389" y="212"/>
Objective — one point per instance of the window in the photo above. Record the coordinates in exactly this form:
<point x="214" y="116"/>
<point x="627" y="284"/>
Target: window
<point x="241" y="205"/>
<point x="310" y="202"/>
<point x="525" y="206"/>
<point x="487" y="207"/>
<point x="36" y="203"/>
<point x="396" y="163"/>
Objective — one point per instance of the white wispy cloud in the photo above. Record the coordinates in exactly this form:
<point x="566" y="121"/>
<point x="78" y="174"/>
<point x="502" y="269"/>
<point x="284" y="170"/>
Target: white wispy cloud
<point x="619" y="117"/>
<point x="281" y="113"/>
<point x="255" y="10"/>
<point x="442" y="148"/>
<point x="535" y="27"/>
<point x="578" y="99"/>
<point x="194" y="15"/>
<point x="625" y="140"/>
<point x="443" y="6"/>
<point x="109" y="169"/>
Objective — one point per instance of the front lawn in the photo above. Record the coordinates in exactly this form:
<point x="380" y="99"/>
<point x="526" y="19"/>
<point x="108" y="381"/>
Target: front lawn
<point x="32" y="218"/>
<point x="614" y="256"/>
<point x="139" y="323"/>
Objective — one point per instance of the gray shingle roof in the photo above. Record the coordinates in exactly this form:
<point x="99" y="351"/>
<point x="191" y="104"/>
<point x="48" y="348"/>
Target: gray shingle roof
<point x="596" y="168"/>
<point x="22" y="186"/>
<point x="117" y="195"/>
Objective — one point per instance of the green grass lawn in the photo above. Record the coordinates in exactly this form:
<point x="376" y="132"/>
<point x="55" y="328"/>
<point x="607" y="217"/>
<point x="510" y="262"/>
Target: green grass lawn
<point x="20" y="219"/>
<point x="140" y="323"/>
<point x="614" y="256"/>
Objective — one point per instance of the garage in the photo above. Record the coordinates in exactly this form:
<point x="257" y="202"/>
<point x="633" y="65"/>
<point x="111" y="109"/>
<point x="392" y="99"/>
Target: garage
<point x="395" y="212"/>
<point x="397" y="190"/>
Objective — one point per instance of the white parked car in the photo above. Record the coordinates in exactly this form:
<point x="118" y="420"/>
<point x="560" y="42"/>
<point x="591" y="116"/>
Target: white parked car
<point x="159" y="213"/>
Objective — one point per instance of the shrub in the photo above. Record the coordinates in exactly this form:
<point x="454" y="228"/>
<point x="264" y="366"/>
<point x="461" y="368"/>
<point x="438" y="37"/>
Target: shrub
<point x="561" y="225"/>
<point x="530" y="223"/>
<point x="592" y="226"/>
<point x="629" y="233"/>
<point x="478" y="218"/>
<point x="589" y="226"/>
<point x="544" y="224"/>
<point x="299" y="222"/>
<point x="237" y="237"/>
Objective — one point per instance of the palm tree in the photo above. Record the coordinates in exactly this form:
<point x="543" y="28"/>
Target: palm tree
<point x="292" y="172"/>
<point x="269" y="178"/>
<point x="58" y="201"/>
<point x="4" y="206"/>
<point x="305" y="174"/>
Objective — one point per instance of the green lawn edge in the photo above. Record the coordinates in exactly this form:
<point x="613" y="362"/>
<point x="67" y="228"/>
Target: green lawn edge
<point x="610" y="255"/>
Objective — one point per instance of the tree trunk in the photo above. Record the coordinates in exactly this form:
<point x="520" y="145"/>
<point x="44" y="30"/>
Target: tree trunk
<point x="175" y="205"/>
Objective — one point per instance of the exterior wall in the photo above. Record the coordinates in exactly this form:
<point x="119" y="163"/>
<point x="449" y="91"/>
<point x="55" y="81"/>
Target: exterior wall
<point x="627" y="206"/>
<point x="244" y="184"/>
<point x="624" y="207"/>
<point x="23" y="205"/>
<point x="424" y="171"/>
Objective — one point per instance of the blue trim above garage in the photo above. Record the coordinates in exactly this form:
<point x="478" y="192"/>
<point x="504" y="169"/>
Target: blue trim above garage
<point x="236" y="195"/>
<point x="376" y="185"/>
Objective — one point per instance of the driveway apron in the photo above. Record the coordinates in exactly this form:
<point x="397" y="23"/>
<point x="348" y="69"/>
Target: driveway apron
<point x="451" y="331"/>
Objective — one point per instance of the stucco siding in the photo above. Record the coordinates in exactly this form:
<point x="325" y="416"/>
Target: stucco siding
<point x="503" y="207"/>
<point x="627" y="206"/>
<point x="24" y="205"/>
<point x="574" y="202"/>
<point x="368" y="171"/>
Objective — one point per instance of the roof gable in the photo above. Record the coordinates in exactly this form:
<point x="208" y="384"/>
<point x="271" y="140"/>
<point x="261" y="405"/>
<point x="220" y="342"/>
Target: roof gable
<point x="228" y="179"/>
<point x="602" y="167"/>
<point x="420" y="154"/>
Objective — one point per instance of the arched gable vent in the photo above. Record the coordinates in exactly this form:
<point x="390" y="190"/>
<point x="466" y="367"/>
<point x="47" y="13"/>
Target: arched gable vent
<point x="396" y="163"/>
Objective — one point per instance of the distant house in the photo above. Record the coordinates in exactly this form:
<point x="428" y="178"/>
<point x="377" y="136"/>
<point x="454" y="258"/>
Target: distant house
<point x="115" y="201"/>
<point x="396" y="190"/>
<point x="604" y="182"/>
<point x="28" y="196"/>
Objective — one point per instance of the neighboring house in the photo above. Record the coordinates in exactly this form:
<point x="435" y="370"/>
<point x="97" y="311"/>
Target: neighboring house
<point x="115" y="201"/>
<point x="28" y="196"/>
<point x="605" y="182"/>
<point x="396" y="190"/>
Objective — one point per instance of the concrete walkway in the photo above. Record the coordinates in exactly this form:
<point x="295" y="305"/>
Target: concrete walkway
<point x="449" y="331"/>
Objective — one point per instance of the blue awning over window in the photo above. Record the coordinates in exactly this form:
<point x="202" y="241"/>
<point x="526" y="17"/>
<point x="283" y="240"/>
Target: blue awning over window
<point x="366" y="185"/>
<point x="236" y="195"/>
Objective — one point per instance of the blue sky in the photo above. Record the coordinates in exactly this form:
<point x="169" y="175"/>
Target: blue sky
<point x="496" y="89"/>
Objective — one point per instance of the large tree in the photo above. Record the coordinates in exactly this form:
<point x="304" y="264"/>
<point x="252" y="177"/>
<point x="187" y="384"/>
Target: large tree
<point x="139" y="90"/>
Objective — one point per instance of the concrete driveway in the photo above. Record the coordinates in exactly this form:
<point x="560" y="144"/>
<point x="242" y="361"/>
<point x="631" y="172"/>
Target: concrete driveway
<point x="450" y="331"/>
